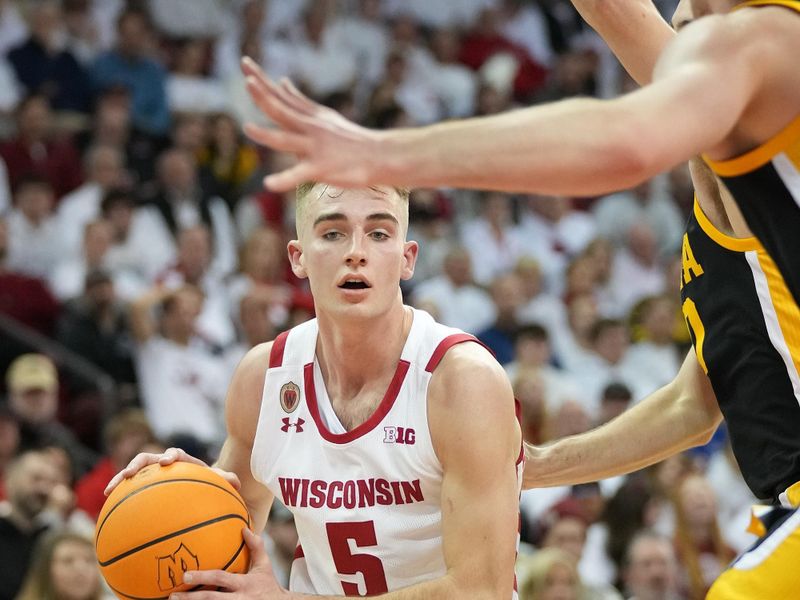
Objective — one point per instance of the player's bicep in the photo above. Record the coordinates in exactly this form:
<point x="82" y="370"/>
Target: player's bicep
<point x="478" y="441"/>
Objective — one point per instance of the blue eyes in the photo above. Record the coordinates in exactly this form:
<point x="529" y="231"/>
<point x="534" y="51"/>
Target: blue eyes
<point x="335" y="235"/>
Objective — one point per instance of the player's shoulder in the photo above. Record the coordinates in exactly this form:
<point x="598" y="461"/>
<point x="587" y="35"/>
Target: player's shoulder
<point x="464" y="373"/>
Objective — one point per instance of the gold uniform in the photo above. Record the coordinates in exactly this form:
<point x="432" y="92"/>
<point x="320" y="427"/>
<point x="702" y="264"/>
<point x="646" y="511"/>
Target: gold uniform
<point x="765" y="184"/>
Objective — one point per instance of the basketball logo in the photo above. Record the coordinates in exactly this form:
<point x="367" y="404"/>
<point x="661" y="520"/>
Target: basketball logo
<point x="290" y="397"/>
<point x="171" y="568"/>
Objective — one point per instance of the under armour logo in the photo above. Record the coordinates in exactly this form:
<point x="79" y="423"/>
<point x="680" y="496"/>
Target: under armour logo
<point x="287" y="423"/>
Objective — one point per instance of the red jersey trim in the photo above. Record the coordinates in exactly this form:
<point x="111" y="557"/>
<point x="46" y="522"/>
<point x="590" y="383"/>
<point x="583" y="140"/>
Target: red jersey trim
<point x="298" y="553"/>
<point x="446" y="344"/>
<point x="383" y="408"/>
<point x="276" y="353"/>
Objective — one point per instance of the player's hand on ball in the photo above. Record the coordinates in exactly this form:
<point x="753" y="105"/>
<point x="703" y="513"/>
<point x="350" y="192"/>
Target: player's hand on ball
<point x="169" y="456"/>
<point x="258" y="583"/>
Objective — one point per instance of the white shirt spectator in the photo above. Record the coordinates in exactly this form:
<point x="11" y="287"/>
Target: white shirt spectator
<point x="631" y="280"/>
<point x="33" y="250"/>
<point x="734" y="500"/>
<point x="326" y="67"/>
<point x="456" y="87"/>
<point x="615" y="214"/>
<point x="366" y="40"/>
<point x="437" y="15"/>
<point x="9" y="87"/>
<point x="491" y="256"/>
<point x="559" y="386"/>
<point x="466" y="307"/>
<point x="527" y="28"/>
<point x="183" y="389"/>
<point x="13" y="30"/>
<point x="661" y="361"/>
<point x="68" y="280"/>
<point x="75" y="210"/>
<point x="189" y="18"/>
<point x="196" y="94"/>
<point x="104" y="16"/>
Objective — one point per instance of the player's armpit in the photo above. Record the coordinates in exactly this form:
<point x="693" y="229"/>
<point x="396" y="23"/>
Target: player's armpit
<point x="242" y="407"/>
<point x="477" y="438"/>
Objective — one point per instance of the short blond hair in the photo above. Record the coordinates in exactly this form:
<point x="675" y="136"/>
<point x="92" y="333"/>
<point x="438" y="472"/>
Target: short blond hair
<point x="304" y="189"/>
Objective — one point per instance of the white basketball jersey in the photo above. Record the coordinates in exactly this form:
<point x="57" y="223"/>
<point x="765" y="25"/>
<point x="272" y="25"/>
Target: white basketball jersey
<point x="366" y="502"/>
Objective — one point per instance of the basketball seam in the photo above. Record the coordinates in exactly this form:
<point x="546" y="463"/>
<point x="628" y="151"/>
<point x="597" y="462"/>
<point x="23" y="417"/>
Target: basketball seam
<point x="163" y="538"/>
<point x="155" y="483"/>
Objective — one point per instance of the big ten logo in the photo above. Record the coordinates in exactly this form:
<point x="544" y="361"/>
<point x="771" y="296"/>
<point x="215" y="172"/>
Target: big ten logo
<point x="171" y="568"/>
<point x="399" y="435"/>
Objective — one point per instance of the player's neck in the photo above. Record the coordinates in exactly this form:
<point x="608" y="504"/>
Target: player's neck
<point x="353" y="353"/>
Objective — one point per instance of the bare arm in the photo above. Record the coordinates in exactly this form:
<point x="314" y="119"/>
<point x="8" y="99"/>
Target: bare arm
<point x="633" y="29"/>
<point x="142" y="323"/>
<point x="680" y="415"/>
<point x="242" y="406"/>
<point x="575" y="147"/>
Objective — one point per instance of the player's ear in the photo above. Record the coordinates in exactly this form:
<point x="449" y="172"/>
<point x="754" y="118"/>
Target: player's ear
<point x="410" y="252"/>
<point x="297" y="258"/>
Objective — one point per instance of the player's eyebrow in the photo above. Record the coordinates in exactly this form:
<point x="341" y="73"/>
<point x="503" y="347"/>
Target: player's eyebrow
<point x="337" y="216"/>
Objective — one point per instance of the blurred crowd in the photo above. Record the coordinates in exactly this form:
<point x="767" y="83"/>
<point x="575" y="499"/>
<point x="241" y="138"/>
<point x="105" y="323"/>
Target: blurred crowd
<point x="141" y="257"/>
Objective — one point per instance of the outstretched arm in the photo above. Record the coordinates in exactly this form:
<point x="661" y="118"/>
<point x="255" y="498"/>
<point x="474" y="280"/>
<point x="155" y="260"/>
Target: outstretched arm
<point x="575" y="147"/>
<point x="680" y="415"/>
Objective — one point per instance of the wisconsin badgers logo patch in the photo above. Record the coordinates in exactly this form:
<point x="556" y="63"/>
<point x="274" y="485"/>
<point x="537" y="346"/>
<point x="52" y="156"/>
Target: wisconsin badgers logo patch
<point x="290" y="397"/>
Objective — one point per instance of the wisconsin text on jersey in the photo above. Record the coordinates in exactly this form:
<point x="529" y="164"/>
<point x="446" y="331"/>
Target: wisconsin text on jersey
<point x="358" y="493"/>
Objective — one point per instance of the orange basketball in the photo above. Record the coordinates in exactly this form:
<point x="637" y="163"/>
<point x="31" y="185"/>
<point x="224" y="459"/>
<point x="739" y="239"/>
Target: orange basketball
<point x="165" y="521"/>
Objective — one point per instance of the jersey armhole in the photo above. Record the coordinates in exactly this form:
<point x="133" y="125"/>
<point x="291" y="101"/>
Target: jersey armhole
<point x="276" y="352"/>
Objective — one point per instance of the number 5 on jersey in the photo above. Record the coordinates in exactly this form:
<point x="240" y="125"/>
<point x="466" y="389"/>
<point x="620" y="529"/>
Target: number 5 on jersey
<point x="347" y="563"/>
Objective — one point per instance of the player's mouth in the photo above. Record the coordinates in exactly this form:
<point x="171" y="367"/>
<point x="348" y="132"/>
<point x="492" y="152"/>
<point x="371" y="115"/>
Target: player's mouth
<point x="354" y="283"/>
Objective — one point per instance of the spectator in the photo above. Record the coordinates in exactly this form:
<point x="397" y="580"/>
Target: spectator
<point x="123" y="437"/>
<point x="177" y="374"/>
<point x="651" y="570"/>
<point x="263" y="275"/>
<point x="458" y="301"/>
<point x="532" y="353"/>
<point x="44" y="66"/>
<point x="13" y="29"/>
<point x="189" y="88"/>
<point x="499" y="337"/>
<point x="455" y="85"/>
<point x="559" y="231"/>
<point x="529" y="390"/>
<point x="650" y="202"/>
<point x="30" y="480"/>
<point x="254" y="328"/>
<point x="82" y="31"/>
<point x="524" y="23"/>
<point x="637" y="271"/>
<point x="193" y="267"/>
<point x="129" y="65"/>
<point x="105" y="169"/>
<point x="539" y="306"/>
<point x="698" y="539"/>
<point x="655" y="351"/>
<point x="574" y="345"/>
<point x="32" y="383"/>
<point x="36" y="150"/>
<point x="549" y="575"/>
<point x="34" y="238"/>
<point x="231" y="161"/>
<point x="23" y="298"/>
<point x="188" y="18"/>
<point x="614" y="401"/>
<point x="95" y="326"/>
<point x="365" y="35"/>
<point x="180" y="202"/>
<point x="64" y="567"/>
<point x="492" y="240"/>
<point x="68" y="279"/>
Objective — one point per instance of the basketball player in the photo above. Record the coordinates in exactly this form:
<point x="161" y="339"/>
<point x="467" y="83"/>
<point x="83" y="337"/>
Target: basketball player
<point x="392" y="439"/>
<point x="727" y="85"/>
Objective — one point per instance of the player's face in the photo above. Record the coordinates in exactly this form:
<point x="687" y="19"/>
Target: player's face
<point x="352" y="248"/>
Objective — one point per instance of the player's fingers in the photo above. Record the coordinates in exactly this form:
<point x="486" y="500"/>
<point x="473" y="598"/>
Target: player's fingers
<point x="272" y="105"/>
<point x="277" y="139"/>
<point x="172" y="455"/>
<point x="139" y="462"/>
<point x="212" y="578"/>
<point x="289" y="178"/>
<point x="297" y="98"/>
<point x="231" y="478"/>
<point x="251" y="68"/>
<point x="259" y="559"/>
